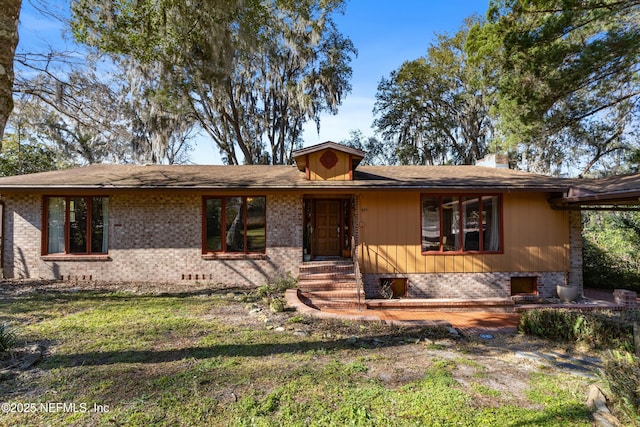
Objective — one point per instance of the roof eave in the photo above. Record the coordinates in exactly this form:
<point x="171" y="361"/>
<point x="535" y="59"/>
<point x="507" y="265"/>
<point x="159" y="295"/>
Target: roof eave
<point x="306" y="186"/>
<point x="329" y="145"/>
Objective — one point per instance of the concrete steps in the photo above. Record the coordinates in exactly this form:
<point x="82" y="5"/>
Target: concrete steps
<point x="332" y="285"/>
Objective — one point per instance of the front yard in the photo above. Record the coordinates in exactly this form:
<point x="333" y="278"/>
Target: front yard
<point x="125" y="355"/>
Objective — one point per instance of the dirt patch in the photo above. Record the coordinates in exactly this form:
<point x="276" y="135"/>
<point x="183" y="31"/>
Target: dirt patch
<point x="12" y="288"/>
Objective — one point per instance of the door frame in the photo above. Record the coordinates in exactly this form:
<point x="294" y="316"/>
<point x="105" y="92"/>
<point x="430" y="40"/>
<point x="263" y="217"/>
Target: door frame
<point x="346" y="224"/>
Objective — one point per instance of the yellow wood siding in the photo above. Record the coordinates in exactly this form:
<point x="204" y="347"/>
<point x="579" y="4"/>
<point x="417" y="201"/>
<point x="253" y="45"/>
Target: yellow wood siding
<point x="536" y="237"/>
<point x="339" y="172"/>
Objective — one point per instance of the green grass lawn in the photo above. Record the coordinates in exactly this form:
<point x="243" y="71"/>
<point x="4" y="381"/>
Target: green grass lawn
<point x="203" y="359"/>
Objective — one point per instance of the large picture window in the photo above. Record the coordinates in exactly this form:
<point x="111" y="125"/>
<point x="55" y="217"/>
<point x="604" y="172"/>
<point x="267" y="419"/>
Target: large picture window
<point x="76" y="225"/>
<point x="234" y="224"/>
<point x="461" y="223"/>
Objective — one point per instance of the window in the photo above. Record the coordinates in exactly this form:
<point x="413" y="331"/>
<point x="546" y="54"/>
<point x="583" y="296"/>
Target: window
<point x="234" y="224"/>
<point x="461" y="223"/>
<point x="76" y="225"/>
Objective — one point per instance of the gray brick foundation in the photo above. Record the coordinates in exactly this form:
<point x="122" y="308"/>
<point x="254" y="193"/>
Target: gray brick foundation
<point x="466" y="285"/>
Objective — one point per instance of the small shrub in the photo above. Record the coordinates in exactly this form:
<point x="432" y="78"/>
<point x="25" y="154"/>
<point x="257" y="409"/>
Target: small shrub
<point x="276" y="305"/>
<point x="264" y="291"/>
<point x="296" y="319"/>
<point x="276" y="287"/>
<point x="7" y="339"/>
<point x="285" y="282"/>
<point x="595" y="329"/>
<point x="622" y="372"/>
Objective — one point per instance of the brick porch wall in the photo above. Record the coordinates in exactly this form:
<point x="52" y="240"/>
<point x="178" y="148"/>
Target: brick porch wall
<point x="154" y="238"/>
<point x="466" y="285"/>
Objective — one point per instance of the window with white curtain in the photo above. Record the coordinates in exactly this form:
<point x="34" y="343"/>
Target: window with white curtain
<point x="461" y="223"/>
<point x="56" y="207"/>
<point x="77" y="225"/>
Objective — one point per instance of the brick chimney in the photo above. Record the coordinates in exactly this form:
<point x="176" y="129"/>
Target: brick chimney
<point x="494" y="161"/>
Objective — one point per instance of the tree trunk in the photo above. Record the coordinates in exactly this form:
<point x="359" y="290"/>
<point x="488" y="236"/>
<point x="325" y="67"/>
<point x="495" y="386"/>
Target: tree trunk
<point x="9" y="13"/>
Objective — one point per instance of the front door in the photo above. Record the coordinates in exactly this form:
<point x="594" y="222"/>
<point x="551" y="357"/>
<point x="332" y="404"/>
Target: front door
<point x="327" y="231"/>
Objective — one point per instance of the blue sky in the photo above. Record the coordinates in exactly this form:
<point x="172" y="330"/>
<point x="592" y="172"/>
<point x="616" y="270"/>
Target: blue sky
<point x="386" y="33"/>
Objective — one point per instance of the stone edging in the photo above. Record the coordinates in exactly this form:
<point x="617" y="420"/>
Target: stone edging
<point x="597" y="403"/>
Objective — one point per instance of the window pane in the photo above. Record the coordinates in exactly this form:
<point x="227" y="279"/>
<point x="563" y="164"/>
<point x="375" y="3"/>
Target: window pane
<point x="451" y="223"/>
<point x="256" y="224"/>
<point x="214" y="225"/>
<point x="77" y="225"/>
<point x="430" y="224"/>
<point x="491" y="223"/>
<point x="56" y="207"/>
<point x="234" y="227"/>
<point x="471" y="223"/>
<point x="99" y="225"/>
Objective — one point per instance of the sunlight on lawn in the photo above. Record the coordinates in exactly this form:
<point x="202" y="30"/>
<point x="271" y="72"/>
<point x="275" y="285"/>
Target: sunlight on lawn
<point x="128" y="359"/>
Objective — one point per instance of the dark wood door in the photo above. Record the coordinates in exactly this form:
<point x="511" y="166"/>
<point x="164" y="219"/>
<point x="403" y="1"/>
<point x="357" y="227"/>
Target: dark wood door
<point x="327" y="233"/>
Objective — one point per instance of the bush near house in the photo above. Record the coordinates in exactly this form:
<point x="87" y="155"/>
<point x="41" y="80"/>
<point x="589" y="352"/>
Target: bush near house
<point x="276" y="287"/>
<point x="611" y="242"/>
<point x="273" y="292"/>
<point x="622" y="372"/>
<point x="604" y="269"/>
<point x="598" y="330"/>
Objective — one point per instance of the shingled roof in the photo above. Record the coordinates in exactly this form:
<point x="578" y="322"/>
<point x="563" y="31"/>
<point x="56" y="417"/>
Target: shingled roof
<point x="622" y="189"/>
<point x="115" y="178"/>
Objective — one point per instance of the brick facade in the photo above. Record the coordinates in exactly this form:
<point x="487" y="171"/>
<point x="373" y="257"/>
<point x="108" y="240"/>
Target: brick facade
<point x="465" y="285"/>
<point x="574" y="276"/>
<point x="158" y="238"/>
<point x="626" y="298"/>
<point x="153" y="238"/>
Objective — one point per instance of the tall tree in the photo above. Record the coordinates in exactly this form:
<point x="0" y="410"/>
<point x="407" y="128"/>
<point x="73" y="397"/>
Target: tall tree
<point x="570" y="75"/>
<point x="611" y="247"/>
<point x="157" y="114"/>
<point x="67" y="113"/>
<point x="254" y="71"/>
<point x="435" y="109"/>
<point x="301" y="71"/>
<point x="118" y="115"/>
<point x="19" y="156"/>
<point x="9" y="14"/>
<point x="376" y="151"/>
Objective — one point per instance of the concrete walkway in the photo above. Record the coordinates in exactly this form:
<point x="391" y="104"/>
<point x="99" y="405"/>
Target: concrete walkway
<point x="470" y="322"/>
<point x="467" y="322"/>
